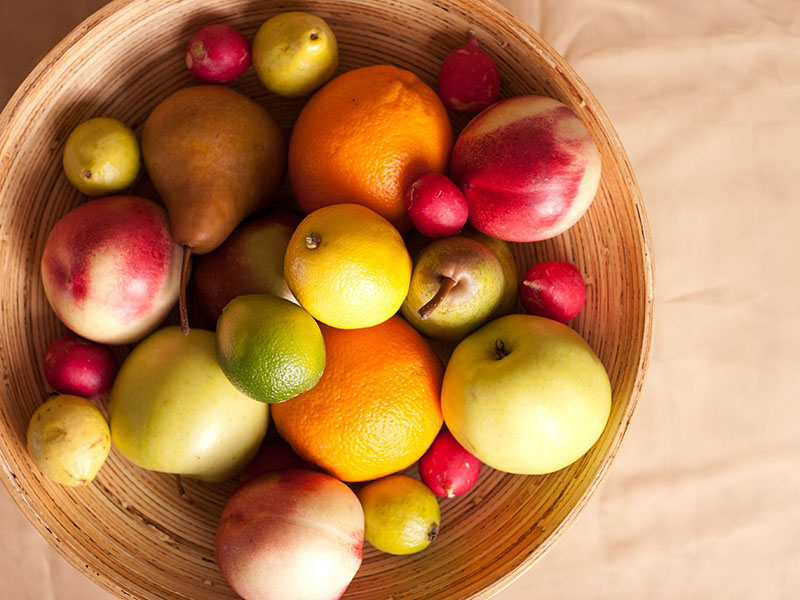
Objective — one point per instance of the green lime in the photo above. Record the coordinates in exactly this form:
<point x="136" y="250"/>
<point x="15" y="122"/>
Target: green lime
<point x="101" y="157"/>
<point x="401" y="514"/>
<point x="68" y="440"/>
<point x="269" y="348"/>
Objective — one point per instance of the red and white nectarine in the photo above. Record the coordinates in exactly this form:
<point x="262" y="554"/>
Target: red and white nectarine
<point x="528" y="168"/>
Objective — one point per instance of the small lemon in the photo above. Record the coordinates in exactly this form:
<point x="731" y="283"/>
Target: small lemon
<point x="348" y="266"/>
<point x="269" y="348"/>
<point x="401" y="514"/>
<point x="294" y="53"/>
<point x="101" y="156"/>
<point x="68" y="440"/>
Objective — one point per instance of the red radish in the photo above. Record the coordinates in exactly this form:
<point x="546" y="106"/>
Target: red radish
<point x="274" y="456"/>
<point x="436" y="206"/>
<point x="217" y="54"/>
<point x="555" y="290"/>
<point x="468" y="80"/>
<point x="447" y="468"/>
<point x="76" y="366"/>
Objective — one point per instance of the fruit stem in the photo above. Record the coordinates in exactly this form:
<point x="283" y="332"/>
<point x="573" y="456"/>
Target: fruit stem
<point x="500" y="351"/>
<point x="444" y="289"/>
<point x="187" y="255"/>
<point x="312" y="241"/>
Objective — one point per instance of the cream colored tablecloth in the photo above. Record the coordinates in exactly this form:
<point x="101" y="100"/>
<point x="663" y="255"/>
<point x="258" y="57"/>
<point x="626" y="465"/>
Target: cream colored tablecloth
<point x="704" y="499"/>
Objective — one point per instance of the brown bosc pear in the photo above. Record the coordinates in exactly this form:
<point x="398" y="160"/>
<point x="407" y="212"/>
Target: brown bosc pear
<point x="215" y="156"/>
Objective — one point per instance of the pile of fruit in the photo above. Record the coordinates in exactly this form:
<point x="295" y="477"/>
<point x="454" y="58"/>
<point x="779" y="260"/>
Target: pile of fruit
<point x="318" y="310"/>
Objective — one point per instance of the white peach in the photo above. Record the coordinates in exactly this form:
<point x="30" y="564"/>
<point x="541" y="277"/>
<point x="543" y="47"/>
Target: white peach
<point x="291" y="535"/>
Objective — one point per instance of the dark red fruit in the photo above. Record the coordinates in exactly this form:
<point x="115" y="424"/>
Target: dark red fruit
<point x="217" y="54"/>
<point x="447" y="468"/>
<point x="468" y="79"/>
<point x="274" y="456"/>
<point x="436" y="206"/>
<point x="79" y="367"/>
<point x="555" y="290"/>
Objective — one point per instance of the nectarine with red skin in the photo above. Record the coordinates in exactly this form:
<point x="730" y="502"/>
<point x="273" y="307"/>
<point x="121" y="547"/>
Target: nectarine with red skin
<point x="111" y="269"/>
<point x="528" y="168"/>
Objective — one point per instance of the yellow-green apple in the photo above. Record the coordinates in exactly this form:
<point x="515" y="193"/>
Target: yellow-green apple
<point x="173" y="409"/>
<point x="291" y="535"/>
<point x="250" y="261"/>
<point x="111" y="269"/>
<point x="526" y="395"/>
<point x="528" y="168"/>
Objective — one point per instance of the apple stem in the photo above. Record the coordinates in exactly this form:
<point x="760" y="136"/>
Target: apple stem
<point x="187" y="255"/>
<point x="500" y="349"/>
<point x="444" y="289"/>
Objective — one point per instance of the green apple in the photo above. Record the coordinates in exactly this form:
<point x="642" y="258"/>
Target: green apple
<point x="173" y="409"/>
<point x="526" y="395"/>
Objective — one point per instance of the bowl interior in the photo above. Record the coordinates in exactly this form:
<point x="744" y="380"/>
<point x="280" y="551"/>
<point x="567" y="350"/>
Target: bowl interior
<point x="131" y="530"/>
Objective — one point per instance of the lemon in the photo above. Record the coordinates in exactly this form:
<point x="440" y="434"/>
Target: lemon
<point x="269" y="348"/>
<point x="348" y="266"/>
<point x="68" y="440"/>
<point x="294" y="53"/>
<point x="101" y="157"/>
<point x="401" y="514"/>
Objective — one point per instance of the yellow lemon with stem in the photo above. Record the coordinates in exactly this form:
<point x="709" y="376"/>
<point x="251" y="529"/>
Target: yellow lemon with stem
<point x="348" y="266"/>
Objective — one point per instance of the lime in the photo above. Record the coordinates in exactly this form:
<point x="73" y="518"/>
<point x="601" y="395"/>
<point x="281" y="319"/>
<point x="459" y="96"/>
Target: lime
<point x="68" y="440"/>
<point x="401" y="514"/>
<point x="101" y="157"/>
<point x="294" y="53"/>
<point x="269" y="348"/>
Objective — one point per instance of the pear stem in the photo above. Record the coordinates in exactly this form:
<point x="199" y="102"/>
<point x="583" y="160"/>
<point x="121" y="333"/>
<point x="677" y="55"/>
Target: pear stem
<point x="444" y="289"/>
<point x="187" y="255"/>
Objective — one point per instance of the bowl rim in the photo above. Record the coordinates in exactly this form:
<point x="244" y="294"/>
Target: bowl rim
<point x="555" y="66"/>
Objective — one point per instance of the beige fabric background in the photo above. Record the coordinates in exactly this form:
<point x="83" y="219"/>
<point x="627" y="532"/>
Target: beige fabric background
<point x="704" y="499"/>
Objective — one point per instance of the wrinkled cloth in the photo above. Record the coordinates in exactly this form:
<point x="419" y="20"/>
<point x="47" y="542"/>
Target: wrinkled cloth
<point x="703" y="501"/>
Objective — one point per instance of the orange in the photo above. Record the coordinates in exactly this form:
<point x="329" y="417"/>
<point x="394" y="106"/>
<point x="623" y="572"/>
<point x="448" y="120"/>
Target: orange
<point x="376" y="409"/>
<point x="364" y="138"/>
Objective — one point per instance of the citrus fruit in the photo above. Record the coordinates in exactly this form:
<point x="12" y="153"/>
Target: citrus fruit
<point x="365" y="137"/>
<point x="101" y="156"/>
<point x="376" y="409"/>
<point x="269" y="348"/>
<point x="294" y="53"/>
<point x="348" y="266"/>
<point x="401" y="514"/>
<point x="68" y="440"/>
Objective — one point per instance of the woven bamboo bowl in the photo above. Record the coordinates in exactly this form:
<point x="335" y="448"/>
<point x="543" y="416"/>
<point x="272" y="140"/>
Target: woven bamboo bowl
<point x="130" y="531"/>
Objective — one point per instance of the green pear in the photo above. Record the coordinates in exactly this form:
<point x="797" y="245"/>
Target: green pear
<point x="504" y="253"/>
<point x="173" y="409"/>
<point x="456" y="285"/>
